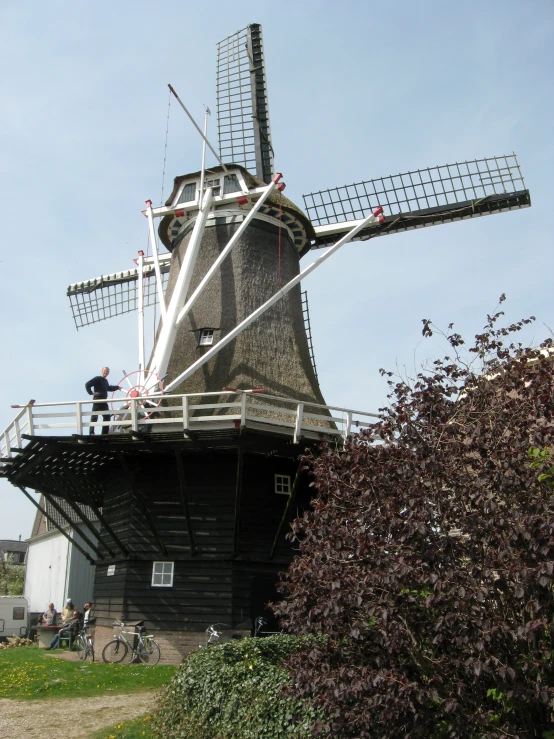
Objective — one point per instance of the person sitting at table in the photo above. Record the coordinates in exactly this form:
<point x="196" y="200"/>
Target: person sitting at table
<point x="49" y="616"/>
<point x="86" y="613"/>
<point x="68" y="631"/>
<point x="67" y="612"/>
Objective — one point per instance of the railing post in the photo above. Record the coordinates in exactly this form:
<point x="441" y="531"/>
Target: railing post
<point x="243" y="410"/>
<point x="185" y="412"/>
<point x="30" y="422"/>
<point x="79" y="412"/>
<point x="17" y="432"/>
<point x="348" y="426"/>
<point x="298" y="425"/>
<point x="134" y="415"/>
<point x="7" y="440"/>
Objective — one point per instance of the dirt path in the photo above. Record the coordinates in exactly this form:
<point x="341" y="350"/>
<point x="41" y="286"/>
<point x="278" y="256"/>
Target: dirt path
<point x="74" y="717"/>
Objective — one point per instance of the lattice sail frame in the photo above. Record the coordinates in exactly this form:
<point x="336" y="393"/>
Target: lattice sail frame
<point x="423" y="197"/>
<point x="242" y="103"/>
<point x="113" y="295"/>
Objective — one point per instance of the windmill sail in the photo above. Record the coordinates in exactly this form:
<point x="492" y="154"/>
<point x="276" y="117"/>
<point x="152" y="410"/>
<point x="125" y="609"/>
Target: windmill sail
<point x="112" y="295"/>
<point x="424" y="197"/>
<point x="242" y="105"/>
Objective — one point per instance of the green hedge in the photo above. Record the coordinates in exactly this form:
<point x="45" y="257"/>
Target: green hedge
<point x="235" y="691"/>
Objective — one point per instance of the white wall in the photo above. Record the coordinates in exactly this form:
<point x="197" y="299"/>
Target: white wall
<point x="46" y="573"/>
<point x="80" y="581"/>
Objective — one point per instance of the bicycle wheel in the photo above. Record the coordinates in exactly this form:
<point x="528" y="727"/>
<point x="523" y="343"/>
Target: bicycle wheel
<point x="81" y="647"/>
<point x="90" y="651"/>
<point x="114" y="651"/>
<point x="149" y="652"/>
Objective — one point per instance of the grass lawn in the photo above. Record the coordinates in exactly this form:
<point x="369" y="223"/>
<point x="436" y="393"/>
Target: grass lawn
<point x="27" y="672"/>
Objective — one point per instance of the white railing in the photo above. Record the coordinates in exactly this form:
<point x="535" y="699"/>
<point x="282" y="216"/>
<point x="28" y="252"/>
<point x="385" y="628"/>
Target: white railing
<point x="247" y="408"/>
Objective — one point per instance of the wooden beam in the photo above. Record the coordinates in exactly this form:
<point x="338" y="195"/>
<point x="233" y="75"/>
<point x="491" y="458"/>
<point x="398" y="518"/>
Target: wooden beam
<point x="43" y="452"/>
<point x="290" y="501"/>
<point x="141" y="500"/>
<point x="238" y="495"/>
<point x="50" y="498"/>
<point x="81" y="514"/>
<point x="64" y="533"/>
<point x="74" y="479"/>
<point x="184" y="498"/>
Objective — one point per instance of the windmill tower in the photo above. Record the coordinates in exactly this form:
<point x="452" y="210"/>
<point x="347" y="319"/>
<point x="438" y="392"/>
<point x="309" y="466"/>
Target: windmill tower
<point x="200" y="475"/>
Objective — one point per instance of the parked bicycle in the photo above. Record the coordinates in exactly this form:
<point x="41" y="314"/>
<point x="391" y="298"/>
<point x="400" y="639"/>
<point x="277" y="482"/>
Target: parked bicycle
<point x="142" y="646"/>
<point x="217" y="633"/>
<point x="84" y="643"/>
<point x="260" y="628"/>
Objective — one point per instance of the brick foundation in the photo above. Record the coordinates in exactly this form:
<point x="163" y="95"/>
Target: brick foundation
<point x="174" y="645"/>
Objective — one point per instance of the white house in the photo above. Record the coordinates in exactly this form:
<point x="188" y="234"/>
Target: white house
<point x="57" y="570"/>
<point x="13" y="551"/>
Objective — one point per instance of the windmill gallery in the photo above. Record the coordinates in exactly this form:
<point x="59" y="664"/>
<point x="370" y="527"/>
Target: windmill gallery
<point x="183" y="507"/>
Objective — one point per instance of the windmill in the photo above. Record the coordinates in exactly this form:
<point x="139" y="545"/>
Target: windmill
<point x="199" y="324"/>
<point x="196" y="508"/>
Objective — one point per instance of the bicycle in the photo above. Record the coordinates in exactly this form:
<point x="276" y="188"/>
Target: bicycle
<point x="216" y="635"/>
<point x="145" y="648"/>
<point x="259" y="628"/>
<point x="221" y="633"/>
<point x="84" y="643"/>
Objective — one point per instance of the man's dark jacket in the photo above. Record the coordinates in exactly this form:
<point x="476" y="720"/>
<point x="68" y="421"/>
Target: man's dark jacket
<point x="101" y="386"/>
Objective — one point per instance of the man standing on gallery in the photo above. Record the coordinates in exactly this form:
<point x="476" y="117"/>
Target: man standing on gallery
<point x="99" y="387"/>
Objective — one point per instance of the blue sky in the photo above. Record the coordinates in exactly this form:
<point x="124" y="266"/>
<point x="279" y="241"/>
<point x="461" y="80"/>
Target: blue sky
<point x="356" y="90"/>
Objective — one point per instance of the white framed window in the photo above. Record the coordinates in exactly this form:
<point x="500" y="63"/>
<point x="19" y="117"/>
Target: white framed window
<point x="162" y="574"/>
<point x="187" y="194"/>
<point x="206" y="337"/>
<point x="111" y="570"/>
<point x="215" y="184"/>
<point x="231" y="184"/>
<point x="282" y="484"/>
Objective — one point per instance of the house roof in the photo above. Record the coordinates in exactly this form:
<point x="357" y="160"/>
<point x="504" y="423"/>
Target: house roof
<point x="53" y="514"/>
<point x="10" y="545"/>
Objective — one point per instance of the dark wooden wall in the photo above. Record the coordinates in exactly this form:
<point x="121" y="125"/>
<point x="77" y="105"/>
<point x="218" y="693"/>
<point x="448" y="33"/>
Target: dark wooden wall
<point x="220" y="581"/>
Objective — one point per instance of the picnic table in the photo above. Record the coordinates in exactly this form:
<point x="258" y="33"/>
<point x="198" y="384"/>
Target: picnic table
<point x="45" y="634"/>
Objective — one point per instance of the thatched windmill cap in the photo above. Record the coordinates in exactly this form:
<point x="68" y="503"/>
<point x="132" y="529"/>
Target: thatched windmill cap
<point x="292" y="216"/>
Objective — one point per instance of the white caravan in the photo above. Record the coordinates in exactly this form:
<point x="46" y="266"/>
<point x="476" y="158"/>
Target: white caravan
<point x="14" y="616"/>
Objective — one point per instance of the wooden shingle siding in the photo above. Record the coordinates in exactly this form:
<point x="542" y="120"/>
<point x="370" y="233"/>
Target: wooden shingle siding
<point x="218" y="582"/>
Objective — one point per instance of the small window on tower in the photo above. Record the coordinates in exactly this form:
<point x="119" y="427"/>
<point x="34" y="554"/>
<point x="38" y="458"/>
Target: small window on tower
<point x="187" y="194"/>
<point x="282" y="484"/>
<point x="162" y="574"/>
<point x="230" y="184"/>
<point x="111" y="571"/>
<point x="215" y="184"/>
<point x="206" y="337"/>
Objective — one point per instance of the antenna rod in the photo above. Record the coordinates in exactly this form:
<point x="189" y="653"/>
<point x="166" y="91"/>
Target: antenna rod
<point x="140" y="290"/>
<point x="161" y="299"/>
<point x="198" y="128"/>
<point x="207" y="113"/>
